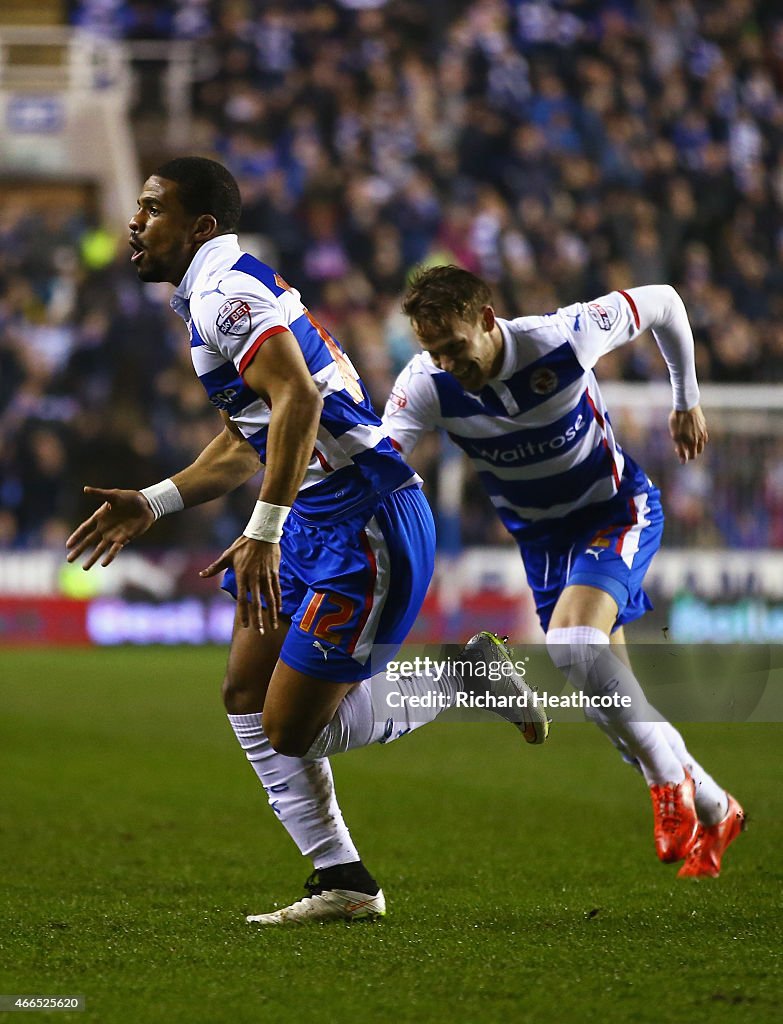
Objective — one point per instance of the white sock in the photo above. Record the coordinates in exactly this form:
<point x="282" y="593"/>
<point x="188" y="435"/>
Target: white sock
<point x="599" y="718"/>
<point x="712" y="801"/>
<point x="379" y="710"/>
<point x="301" y="793"/>
<point x="584" y="654"/>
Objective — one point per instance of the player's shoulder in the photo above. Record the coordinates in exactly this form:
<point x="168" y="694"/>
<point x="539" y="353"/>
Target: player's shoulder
<point x="419" y="369"/>
<point x="539" y="325"/>
<point x="549" y="330"/>
<point x="602" y="313"/>
<point x="257" y="275"/>
<point x="226" y="302"/>
<point x="532" y="337"/>
<point x="414" y="384"/>
<point x="219" y="285"/>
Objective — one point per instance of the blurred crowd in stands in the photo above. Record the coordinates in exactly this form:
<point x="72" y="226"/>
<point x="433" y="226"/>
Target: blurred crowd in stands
<point x="558" y="148"/>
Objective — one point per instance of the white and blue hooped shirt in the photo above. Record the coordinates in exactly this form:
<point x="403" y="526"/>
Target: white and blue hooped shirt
<point x="232" y="303"/>
<point x="539" y="435"/>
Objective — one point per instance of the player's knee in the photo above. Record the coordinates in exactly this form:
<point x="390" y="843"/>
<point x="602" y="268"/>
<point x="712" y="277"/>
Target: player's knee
<point x="240" y="696"/>
<point x="572" y="646"/>
<point x="562" y="649"/>
<point x="284" y="738"/>
<point x="559" y="652"/>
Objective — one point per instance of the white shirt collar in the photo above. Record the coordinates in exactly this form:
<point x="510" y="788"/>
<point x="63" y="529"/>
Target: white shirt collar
<point x="507" y="365"/>
<point x="216" y="250"/>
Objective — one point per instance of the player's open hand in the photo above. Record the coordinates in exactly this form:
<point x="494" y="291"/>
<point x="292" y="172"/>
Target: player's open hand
<point x="122" y="516"/>
<point x="256" y="565"/>
<point x="689" y="432"/>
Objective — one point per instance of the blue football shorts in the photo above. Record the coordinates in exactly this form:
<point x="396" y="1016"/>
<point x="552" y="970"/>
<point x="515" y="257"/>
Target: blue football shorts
<point x="608" y="546"/>
<point x="353" y="588"/>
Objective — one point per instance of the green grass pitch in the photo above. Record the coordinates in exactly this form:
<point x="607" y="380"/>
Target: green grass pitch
<point x="522" y="882"/>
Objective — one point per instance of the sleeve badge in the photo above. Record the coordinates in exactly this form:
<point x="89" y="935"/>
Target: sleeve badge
<point x="398" y="397"/>
<point x="233" y="318"/>
<point x="603" y="317"/>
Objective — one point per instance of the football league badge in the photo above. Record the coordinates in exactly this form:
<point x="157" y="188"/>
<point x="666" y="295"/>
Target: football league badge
<point x="234" y="318"/>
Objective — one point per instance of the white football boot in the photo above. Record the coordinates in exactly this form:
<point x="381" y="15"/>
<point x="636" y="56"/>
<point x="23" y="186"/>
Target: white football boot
<point x="488" y="649"/>
<point x="326" y="905"/>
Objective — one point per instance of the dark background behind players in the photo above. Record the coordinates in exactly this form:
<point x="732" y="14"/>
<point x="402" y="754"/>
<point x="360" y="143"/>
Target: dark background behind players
<point x="557" y="149"/>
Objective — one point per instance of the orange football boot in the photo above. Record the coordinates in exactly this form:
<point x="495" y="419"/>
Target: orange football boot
<point x="704" y="857"/>
<point x="675" y="820"/>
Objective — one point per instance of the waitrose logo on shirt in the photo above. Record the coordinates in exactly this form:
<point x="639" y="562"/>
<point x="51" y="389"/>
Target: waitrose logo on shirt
<point x="509" y="454"/>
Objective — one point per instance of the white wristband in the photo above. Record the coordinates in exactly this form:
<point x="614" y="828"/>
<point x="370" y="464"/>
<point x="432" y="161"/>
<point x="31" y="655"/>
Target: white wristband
<point x="266" y="522"/>
<point x="163" y="498"/>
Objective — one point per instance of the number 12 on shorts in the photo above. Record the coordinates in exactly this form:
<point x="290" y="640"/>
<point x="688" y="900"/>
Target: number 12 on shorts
<point x="321" y="619"/>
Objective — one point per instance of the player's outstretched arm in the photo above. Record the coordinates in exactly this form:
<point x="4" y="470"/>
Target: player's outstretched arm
<point x="226" y="462"/>
<point x="660" y="308"/>
<point x="123" y="516"/>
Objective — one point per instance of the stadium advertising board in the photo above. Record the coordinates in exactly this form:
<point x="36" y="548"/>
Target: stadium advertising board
<point x="715" y="597"/>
